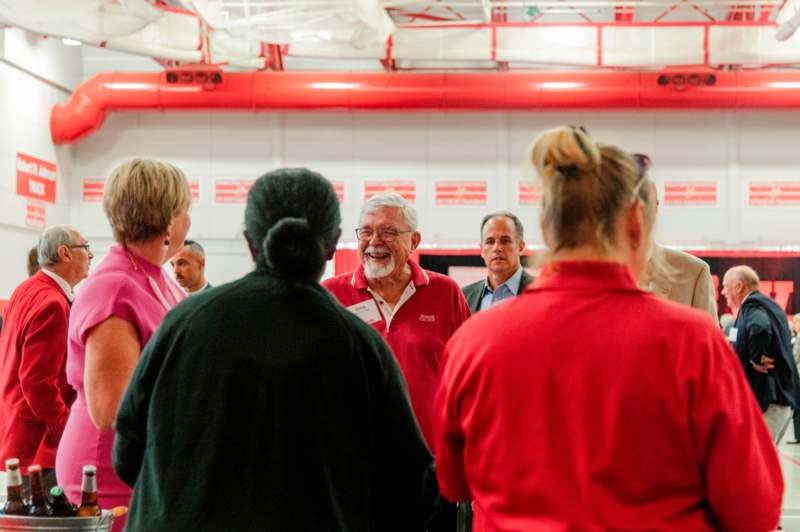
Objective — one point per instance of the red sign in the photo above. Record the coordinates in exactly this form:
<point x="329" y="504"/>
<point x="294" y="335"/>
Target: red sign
<point x="338" y="186"/>
<point x="93" y="189"/>
<point x="36" y="179"/>
<point x="195" y="185"/>
<point x="780" y="193"/>
<point x="530" y="194"/>
<point x="461" y="192"/>
<point x="690" y="193"/>
<point x="407" y="189"/>
<point x="231" y="190"/>
<point x="35" y="215"/>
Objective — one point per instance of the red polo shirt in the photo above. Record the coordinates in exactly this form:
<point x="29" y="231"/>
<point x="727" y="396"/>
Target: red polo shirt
<point x="418" y="330"/>
<point x="588" y="404"/>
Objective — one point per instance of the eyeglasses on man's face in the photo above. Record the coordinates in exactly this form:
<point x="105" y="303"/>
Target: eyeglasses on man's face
<point x="388" y="234"/>
<point x="87" y="247"/>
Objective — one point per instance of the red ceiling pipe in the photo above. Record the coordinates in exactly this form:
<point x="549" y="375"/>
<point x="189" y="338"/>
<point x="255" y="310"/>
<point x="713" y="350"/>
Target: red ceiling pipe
<point x="288" y="91"/>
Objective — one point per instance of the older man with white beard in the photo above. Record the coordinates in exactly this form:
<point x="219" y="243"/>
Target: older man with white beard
<point x="415" y="310"/>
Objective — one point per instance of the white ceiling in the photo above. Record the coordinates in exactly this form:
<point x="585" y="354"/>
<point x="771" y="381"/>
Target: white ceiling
<point x="416" y="34"/>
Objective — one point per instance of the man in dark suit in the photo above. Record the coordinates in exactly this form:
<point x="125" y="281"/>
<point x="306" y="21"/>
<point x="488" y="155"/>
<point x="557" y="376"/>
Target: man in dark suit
<point x="762" y="340"/>
<point x="502" y="244"/>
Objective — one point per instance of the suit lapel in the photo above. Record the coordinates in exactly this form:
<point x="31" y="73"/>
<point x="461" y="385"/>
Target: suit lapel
<point x="474" y="299"/>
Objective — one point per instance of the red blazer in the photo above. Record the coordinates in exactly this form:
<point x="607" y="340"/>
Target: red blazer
<point x="34" y="394"/>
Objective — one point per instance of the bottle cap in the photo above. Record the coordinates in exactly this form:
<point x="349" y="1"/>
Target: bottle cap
<point x="56" y="491"/>
<point x="12" y="462"/>
<point x="89" y="470"/>
<point x="34" y="468"/>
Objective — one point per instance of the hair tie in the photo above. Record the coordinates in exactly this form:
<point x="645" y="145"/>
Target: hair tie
<point x="569" y="171"/>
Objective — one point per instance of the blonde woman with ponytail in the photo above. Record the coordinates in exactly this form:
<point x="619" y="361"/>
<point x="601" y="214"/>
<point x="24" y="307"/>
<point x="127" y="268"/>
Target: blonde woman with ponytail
<point x="643" y="423"/>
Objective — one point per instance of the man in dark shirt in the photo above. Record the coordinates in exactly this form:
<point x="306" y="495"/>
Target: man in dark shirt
<point x="761" y="338"/>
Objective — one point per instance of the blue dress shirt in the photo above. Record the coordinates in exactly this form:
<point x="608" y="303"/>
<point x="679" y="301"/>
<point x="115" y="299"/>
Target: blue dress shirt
<point x="506" y="290"/>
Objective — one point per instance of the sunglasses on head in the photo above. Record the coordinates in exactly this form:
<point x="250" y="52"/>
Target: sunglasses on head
<point x="643" y="162"/>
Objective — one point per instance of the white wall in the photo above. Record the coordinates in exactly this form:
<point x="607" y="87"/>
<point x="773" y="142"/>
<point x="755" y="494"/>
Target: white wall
<point x="729" y="148"/>
<point x="34" y="75"/>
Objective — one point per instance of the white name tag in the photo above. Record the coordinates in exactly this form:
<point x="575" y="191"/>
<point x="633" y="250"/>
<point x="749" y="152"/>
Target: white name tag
<point x="732" y="334"/>
<point x="367" y="311"/>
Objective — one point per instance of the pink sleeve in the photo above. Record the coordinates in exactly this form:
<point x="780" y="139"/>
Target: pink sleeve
<point x="743" y="476"/>
<point x="108" y="295"/>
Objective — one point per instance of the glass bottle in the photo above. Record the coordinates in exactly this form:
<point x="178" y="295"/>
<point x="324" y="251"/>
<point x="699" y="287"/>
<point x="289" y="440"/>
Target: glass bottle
<point x="14" y="504"/>
<point x="40" y="507"/>
<point x="60" y="503"/>
<point x="89" y="506"/>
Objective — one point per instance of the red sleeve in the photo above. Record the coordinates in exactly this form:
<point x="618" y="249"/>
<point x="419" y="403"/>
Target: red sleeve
<point x="44" y="348"/>
<point x="462" y="309"/>
<point x="448" y="438"/>
<point x="737" y="455"/>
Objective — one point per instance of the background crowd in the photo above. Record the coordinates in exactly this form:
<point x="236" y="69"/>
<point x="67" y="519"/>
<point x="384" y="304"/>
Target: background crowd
<point x="388" y="398"/>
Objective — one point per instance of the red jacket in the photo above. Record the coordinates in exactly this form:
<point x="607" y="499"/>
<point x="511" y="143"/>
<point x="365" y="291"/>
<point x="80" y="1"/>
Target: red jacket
<point x="34" y="394"/>
<point x="588" y="404"/>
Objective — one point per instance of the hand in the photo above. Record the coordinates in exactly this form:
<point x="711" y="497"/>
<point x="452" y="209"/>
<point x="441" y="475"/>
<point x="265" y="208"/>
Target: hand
<point x="766" y="364"/>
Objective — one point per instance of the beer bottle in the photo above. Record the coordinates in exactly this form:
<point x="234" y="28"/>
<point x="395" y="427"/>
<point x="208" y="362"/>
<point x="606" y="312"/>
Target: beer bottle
<point x="61" y="505"/>
<point x="89" y="506"/>
<point x="14" y="504"/>
<point x="39" y="505"/>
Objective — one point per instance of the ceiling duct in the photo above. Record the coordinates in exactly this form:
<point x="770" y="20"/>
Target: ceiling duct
<point x="351" y="91"/>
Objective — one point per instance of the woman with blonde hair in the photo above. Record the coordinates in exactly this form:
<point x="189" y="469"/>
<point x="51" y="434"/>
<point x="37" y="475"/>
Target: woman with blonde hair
<point x="116" y="311"/>
<point x="644" y="423"/>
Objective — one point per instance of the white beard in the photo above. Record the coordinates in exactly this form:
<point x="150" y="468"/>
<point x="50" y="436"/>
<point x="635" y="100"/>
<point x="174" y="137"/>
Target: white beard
<point x="373" y="269"/>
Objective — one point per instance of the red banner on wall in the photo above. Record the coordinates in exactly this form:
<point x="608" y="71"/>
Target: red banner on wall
<point x="93" y="189"/>
<point x="195" y="186"/>
<point x="407" y="189"/>
<point x="778" y="193"/>
<point x="461" y="192"/>
<point x="529" y="194"/>
<point x="35" y="215"/>
<point x="231" y="190"/>
<point x="36" y="179"/>
<point x="338" y="186"/>
<point x="690" y="193"/>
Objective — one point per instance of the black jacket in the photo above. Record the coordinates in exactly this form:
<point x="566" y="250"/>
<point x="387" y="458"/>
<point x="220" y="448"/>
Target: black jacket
<point x="762" y="329"/>
<point x="265" y="405"/>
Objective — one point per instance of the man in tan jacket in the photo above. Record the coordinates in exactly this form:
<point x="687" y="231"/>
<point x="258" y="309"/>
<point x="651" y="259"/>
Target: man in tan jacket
<point x="680" y="277"/>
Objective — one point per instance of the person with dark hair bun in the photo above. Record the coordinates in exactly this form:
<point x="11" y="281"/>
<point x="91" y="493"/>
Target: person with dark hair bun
<point x="644" y="423"/>
<point x="262" y="404"/>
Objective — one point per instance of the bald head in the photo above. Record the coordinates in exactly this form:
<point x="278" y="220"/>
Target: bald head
<point x="746" y="275"/>
<point x="737" y="283"/>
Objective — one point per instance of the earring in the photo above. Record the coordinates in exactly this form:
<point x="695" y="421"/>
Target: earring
<point x="166" y="242"/>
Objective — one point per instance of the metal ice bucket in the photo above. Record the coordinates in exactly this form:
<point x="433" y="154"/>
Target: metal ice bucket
<point x="17" y="523"/>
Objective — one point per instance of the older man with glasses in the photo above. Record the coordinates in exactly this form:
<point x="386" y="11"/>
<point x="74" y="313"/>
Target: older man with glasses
<point x="34" y="395"/>
<point x="415" y="310"/>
